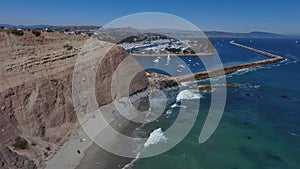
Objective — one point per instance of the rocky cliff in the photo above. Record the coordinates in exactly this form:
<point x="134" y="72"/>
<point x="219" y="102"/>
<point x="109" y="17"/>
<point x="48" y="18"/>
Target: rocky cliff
<point x="36" y="93"/>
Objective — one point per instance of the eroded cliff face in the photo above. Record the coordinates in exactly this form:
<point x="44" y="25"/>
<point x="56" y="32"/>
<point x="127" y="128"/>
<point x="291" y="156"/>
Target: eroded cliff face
<point x="36" y="93"/>
<point x="13" y="160"/>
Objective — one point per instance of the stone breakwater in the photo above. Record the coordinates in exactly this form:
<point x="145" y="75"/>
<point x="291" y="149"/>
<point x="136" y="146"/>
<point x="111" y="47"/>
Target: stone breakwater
<point x="160" y="80"/>
<point x="270" y="55"/>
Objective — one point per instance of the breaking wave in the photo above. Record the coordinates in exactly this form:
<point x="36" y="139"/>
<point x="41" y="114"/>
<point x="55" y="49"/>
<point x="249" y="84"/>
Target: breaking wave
<point x="188" y="94"/>
<point x="155" y="137"/>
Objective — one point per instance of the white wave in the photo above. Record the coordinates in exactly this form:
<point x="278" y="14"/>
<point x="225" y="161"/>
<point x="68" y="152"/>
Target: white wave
<point x="168" y="112"/>
<point x="176" y="105"/>
<point x="247" y="70"/>
<point x="293" y="134"/>
<point x="129" y="165"/>
<point x="155" y="137"/>
<point x="188" y="94"/>
<point x="189" y="83"/>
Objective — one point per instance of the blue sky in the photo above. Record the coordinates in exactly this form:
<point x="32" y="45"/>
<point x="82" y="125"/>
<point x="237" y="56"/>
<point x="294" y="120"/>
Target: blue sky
<point x="223" y="15"/>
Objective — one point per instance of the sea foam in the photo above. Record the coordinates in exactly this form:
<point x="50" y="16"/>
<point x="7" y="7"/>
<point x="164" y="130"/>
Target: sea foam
<point x="155" y="137"/>
<point x="188" y="94"/>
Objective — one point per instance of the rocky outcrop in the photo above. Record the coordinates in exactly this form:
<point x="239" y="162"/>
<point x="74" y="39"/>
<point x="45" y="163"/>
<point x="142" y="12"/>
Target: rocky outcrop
<point x="204" y="88"/>
<point x="12" y="160"/>
<point x="36" y="92"/>
<point x="160" y="81"/>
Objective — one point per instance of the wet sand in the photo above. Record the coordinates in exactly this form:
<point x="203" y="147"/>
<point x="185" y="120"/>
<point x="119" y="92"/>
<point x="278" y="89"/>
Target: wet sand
<point x="96" y="157"/>
<point x="82" y="154"/>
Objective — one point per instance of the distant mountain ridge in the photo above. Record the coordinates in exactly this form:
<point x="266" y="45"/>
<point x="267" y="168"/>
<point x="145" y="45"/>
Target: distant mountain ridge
<point x="254" y="34"/>
<point x="28" y="26"/>
<point x="70" y="27"/>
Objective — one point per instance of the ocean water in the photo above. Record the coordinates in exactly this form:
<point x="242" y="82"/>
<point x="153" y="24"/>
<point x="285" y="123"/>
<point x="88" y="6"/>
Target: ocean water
<point x="228" y="54"/>
<point x="260" y="127"/>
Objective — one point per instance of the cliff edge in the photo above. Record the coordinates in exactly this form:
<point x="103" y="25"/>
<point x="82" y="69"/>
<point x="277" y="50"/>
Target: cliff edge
<point x="36" y="109"/>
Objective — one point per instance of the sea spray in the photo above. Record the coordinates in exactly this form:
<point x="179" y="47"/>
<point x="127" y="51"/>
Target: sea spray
<point x="155" y="137"/>
<point x="188" y="94"/>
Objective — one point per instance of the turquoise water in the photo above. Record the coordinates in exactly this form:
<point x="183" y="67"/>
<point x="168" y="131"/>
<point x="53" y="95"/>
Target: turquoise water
<point x="260" y="127"/>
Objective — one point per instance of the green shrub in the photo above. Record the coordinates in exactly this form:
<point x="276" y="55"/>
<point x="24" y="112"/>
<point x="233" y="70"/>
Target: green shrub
<point x="36" y="32"/>
<point x="173" y="50"/>
<point x="48" y="148"/>
<point x="16" y="32"/>
<point x="20" y="143"/>
<point x="68" y="47"/>
<point x="46" y="154"/>
<point x="50" y="30"/>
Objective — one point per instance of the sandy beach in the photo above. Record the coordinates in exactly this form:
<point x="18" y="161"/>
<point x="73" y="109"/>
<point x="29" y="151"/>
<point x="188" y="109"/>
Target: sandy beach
<point x="81" y="152"/>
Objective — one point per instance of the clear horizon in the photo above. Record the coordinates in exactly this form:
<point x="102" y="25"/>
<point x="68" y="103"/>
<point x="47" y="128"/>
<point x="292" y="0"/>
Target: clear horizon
<point x="236" y="16"/>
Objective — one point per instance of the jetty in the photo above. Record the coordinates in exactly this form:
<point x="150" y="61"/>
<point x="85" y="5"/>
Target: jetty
<point x="231" y="69"/>
<point x="272" y="58"/>
<point x="267" y="54"/>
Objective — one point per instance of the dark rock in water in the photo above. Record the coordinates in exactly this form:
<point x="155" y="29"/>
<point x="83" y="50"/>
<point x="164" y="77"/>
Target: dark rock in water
<point x="247" y="152"/>
<point x="273" y="157"/>
<point x="248" y="94"/>
<point x="78" y="151"/>
<point x="232" y="85"/>
<point x="204" y="88"/>
<point x="284" y="96"/>
<point x="249" y="137"/>
<point x="245" y="123"/>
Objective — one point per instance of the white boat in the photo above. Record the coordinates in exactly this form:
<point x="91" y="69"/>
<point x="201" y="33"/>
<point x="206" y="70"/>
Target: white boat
<point x="181" y="66"/>
<point x="156" y="60"/>
<point x="168" y="60"/>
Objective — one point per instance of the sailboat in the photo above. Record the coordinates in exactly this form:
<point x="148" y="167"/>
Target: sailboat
<point x="168" y="60"/>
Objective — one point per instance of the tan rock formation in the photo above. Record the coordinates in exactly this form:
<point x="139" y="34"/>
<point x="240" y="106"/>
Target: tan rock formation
<point x="36" y="93"/>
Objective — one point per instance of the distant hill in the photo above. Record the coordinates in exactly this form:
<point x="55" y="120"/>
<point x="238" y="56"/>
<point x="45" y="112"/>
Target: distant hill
<point x="255" y="34"/>
<point x="27" y="26"/>
<point x="186" y="33"/>
<point x="60" y="28"/>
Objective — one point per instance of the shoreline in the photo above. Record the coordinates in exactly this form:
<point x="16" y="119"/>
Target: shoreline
<point x="67" y="157"/>
<point x="90" y="152"/>
<point x="173" y="55"/>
